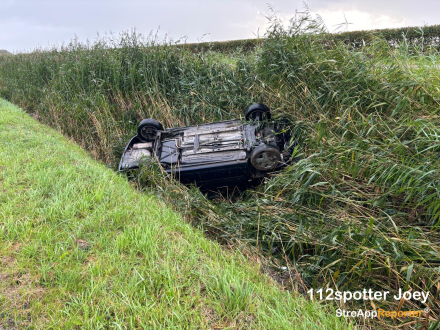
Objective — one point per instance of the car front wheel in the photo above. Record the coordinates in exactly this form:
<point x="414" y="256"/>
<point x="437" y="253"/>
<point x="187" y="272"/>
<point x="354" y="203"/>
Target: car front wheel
<point x="258" y="112"/>
<point x="148" y="128"/>
<point x="265" y="157"/>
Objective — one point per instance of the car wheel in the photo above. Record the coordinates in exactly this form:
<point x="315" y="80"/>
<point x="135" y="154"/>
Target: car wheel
<point x="265" y="158"/>
<point x="148" y="128"/>
<point x="258" y="112"/>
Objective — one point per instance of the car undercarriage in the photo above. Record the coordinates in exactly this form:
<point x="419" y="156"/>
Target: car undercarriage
<point x="222" y="154"/>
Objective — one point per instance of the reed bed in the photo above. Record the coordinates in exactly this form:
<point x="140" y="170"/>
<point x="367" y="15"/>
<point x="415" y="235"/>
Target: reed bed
<point x="361" y="209"/>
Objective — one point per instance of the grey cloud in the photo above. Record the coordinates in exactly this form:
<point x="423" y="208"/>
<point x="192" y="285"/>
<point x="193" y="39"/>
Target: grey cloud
<point x="414" y="12"/>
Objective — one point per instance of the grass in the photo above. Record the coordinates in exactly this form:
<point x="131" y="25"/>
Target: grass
<point x="80" y="248"/>
<point x="361" y="209"/>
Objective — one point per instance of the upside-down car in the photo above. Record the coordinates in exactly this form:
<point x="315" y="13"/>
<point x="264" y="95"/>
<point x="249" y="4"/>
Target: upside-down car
<point x="229" y="153"/>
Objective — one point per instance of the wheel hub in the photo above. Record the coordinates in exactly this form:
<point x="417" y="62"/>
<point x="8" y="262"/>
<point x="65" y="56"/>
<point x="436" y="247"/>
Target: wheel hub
<point x="266" y="160"/>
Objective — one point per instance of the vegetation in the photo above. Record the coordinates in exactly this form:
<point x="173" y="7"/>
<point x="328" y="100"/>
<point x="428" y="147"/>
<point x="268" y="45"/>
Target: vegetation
<point x="419" y="37"/>
<point x="414" y="36"/>
<point x="80" y="248"/>
<point x="230" y="46"/>
<point x="359" y="210"/>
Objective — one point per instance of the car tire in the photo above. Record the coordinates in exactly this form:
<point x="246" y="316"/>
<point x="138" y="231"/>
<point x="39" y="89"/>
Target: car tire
<point x="265" y="158"/>
<point x="148" y="128"/>
<point x="258" y="112"/>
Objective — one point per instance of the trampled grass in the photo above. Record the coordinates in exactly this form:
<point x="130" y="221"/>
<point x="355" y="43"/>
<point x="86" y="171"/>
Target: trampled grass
<point x="360" y="209"/>
<point x="80" y="248"/>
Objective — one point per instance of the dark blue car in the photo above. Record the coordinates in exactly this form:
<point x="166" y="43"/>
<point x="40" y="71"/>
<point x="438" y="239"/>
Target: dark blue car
<point x="228" y="153"/>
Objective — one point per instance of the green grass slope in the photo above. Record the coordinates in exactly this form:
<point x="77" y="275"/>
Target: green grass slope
<point x="80" y="248"/>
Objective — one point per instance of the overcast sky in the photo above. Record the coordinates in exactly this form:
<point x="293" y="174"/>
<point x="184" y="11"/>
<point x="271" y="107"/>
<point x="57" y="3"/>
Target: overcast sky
<point x="26" y="24"/>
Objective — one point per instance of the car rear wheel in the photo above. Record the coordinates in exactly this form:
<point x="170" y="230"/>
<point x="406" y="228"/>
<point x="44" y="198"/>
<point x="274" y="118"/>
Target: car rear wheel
<point x="265" y="157"/>
<point x="148" y="128"/>
<point x="257" y="112"/>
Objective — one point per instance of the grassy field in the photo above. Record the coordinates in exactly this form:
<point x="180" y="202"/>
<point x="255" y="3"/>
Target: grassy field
<point x="361" y="209"/>
<point x="80" y="248"/>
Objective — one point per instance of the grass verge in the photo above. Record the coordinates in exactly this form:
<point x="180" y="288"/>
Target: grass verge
<point x="80" y="248"/>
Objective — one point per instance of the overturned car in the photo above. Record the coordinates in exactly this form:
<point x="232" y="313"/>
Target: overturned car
<point x="228" y="153"/>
